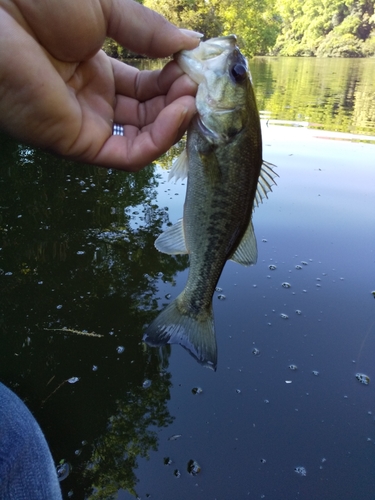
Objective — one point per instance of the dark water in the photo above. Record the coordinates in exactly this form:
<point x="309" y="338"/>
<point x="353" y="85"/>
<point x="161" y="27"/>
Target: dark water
<point x="77" y="253"/>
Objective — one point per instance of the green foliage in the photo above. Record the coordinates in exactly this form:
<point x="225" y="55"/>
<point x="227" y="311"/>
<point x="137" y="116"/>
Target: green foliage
<point x="114" y="49"/>
<point x="329" y="28"/>
<point x="256" y="23"/>
<point x="326" y="28"/>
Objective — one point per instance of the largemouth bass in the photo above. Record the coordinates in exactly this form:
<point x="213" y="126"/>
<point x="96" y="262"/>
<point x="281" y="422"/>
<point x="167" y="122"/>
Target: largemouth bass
<point x="226" y="179"/>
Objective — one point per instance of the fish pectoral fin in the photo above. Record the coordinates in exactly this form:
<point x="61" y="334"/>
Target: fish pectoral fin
<point x="265" y="182"/>
<point x="180" y="167"/>
<point x="172" y="241"/>
<point x="196" y="335"/>
<point x="247" y="252"/>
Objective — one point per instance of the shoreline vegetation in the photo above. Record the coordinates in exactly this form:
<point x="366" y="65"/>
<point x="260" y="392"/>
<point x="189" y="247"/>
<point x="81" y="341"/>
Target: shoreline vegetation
<point x="314" y="28"/>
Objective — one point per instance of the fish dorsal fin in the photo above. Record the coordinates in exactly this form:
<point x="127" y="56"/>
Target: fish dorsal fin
<point x="247" y="252"/>
<point x="180" y="167"/>
<point x="172" y="241"/>
<point x="265" y="182"/>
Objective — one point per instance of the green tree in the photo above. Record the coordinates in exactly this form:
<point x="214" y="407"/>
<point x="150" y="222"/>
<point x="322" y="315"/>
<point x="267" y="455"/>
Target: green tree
<point x="326" y="28"/>
<point x="255" y="23"/>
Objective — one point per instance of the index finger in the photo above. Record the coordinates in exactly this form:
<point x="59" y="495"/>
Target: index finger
<point x="144" y="31"/>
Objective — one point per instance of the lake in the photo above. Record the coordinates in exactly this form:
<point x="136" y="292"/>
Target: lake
<point x="288" y="413"/>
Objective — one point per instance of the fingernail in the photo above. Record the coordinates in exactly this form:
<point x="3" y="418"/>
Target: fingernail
<point x="192" y="34"/>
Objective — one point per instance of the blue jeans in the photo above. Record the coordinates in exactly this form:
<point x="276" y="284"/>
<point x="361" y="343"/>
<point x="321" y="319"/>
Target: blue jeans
<point x="27" y="471"/>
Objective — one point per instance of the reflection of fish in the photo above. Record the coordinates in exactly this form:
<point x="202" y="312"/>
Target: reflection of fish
<point x="223" y="161"/>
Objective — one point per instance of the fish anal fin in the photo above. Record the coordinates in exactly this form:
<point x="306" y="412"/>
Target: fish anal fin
<point x="172" y="241"/>
<point x="195" y="334"/>
<point x="246" y="253"/>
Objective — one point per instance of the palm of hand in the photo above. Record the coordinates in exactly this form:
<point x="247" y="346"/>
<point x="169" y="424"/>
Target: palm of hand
<point x="69" y="107"/>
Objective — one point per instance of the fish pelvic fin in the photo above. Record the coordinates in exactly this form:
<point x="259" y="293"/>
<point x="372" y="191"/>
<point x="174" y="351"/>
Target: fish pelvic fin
<point x="172" y="241"/>
<point x="180" y="167"/>
<point x="195" y="333"/>
<point x="247" y="251"/>
<point x="265" y="182"/>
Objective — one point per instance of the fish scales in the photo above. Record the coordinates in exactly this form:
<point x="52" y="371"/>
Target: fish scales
<point x="225" y="204"/>
<point x="223" y="162"/>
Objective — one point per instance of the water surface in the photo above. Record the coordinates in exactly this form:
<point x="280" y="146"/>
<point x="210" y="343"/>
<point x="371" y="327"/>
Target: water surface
<point x="284" y="416"/>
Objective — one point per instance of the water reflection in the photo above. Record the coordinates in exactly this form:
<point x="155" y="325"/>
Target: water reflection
<point x="333" y="94"/>
<point x="330" y="94"/>
<point x="79" y="279"/>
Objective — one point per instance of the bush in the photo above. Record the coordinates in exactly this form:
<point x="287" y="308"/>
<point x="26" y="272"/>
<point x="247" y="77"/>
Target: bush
<point x="336" y="45"/>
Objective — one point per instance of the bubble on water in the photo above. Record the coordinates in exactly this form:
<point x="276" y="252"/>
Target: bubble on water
<point x="63" y="470"/>
<point x="70" y="493"/>
<point x="315" y="372"/>
<point x="73" y="380"/>
<point x="120" y="349"/>
<point x="286" y="284"/>
<point x="193" y="467"/>
<point x="77" y="452"/>
<point x="94" y="368"/>
<point x="218" y="289"/>
<point x="59" y="306"/>
<point x="177" y="473"/>
<point x="298" y="267"/>
<point x="146" y="384"/>
<point x="263" y="460"/>
<point x="298" y="311"/>
<point x="272" y="267"/>
<point x="300" y="470"/>
<point x="264" y="240"/>
<point x="293" y="367"/>
<point x="255" y="351"/>
<point x="81" y="252"/>
<point x="284" y="316"/>
<point x="168" y="296"/>
<point x="304" y="263"/>
<point x="221" y="297"/>
<point x="266" y="401"/>
<point x="167" y="461"/>
<point x="238" y="391"/>
<point x="324" y="460"/>
<point x="364" y="379"/>
<point x="197" y="390"/>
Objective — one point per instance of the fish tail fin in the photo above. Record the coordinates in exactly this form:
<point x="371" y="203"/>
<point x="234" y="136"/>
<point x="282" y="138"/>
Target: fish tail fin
<point x="195" y="333"/>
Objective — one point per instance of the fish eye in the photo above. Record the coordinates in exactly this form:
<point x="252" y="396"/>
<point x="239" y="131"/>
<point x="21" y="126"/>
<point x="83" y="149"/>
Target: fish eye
<point x="239" y="73"/>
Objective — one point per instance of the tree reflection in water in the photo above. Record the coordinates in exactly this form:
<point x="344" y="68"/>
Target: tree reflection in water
<point x="77" y="252"/>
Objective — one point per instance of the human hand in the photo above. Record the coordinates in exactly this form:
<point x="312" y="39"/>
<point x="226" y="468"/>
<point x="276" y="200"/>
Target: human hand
<point x="59" y="91"/>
